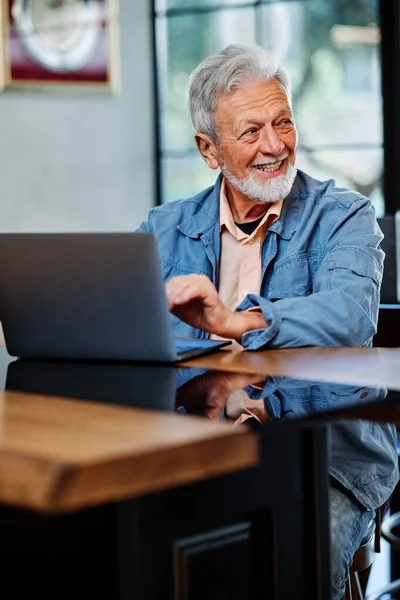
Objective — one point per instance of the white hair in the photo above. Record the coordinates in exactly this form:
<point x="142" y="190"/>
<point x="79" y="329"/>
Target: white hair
<point x="224" y="72"/>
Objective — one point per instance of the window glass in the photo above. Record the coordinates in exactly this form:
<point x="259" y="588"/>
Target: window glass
<point x="195" y="5"/>
<point x="358" y="169"/>
<point x="186" y="176"/>
<point x="331" y="51"/>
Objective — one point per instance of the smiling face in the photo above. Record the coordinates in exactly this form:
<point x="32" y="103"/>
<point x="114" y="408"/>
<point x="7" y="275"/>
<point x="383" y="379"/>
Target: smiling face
<point x="257" y="142"/>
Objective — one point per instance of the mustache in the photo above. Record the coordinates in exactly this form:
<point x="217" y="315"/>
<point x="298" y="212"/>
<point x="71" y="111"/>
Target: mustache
<point x="271" y="161"/>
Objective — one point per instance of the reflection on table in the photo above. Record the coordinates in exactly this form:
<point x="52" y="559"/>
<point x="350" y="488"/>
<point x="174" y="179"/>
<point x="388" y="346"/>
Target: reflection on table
<point x="362" y="451"/>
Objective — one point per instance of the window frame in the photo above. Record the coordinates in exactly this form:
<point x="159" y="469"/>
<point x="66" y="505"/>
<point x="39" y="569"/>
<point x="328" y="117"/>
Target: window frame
<point x="389" y="13"/>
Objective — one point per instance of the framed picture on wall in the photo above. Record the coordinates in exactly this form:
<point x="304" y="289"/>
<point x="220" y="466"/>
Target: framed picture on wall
<point x="59" y="45"/>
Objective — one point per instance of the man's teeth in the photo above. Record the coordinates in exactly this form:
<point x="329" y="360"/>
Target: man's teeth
<point x="269" y="168"/>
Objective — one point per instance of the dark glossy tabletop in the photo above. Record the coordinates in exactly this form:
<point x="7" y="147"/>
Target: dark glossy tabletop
<point x="236" y="397"/>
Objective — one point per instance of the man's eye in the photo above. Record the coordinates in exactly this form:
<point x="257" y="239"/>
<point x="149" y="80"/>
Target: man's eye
<point x="250" y="131"/>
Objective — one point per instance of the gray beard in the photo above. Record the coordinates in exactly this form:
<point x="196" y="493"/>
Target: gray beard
<point x="271" y="190"/>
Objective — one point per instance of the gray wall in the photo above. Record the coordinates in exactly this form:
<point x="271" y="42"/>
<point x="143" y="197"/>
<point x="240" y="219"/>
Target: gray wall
<point x="83" y="163"/>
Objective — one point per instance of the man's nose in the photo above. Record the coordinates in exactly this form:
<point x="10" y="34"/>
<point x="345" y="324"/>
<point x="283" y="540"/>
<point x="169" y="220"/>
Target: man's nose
<point x="271" y="142"/>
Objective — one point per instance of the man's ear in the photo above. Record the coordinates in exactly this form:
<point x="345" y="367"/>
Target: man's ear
<point x="207" y="149"/>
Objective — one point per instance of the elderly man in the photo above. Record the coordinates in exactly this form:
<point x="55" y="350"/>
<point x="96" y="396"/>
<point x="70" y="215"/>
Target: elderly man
<point x="268" y="256"/>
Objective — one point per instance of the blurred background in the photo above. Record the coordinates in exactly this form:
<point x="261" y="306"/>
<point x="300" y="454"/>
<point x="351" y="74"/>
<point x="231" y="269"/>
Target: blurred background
<point x="74" y="159"/>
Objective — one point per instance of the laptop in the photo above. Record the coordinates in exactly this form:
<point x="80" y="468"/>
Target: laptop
<point x="97" y="296"/>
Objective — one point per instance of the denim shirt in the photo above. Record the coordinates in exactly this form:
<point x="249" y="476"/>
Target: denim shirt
<point x="321" y="263"/>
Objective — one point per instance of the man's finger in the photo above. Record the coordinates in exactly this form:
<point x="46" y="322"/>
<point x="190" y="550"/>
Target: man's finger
<point x="176" y="293"/>
<point x="181" y="290"/>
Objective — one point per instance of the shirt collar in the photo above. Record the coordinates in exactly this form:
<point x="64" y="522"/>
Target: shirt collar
<point x="226" y="218"/>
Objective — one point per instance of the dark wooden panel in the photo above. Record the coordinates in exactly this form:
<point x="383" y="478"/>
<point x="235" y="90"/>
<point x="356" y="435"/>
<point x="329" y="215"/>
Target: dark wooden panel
<point x="188" y="535"/>
<point x="213" y="565"/>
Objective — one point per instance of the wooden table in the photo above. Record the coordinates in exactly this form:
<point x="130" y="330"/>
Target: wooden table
<point x="61" y="455"/>
<point x="364" y="366"/>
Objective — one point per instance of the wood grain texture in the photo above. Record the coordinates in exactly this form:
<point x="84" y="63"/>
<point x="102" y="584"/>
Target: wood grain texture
<point x="60" y="455"/>
<point x="354" y="366"/>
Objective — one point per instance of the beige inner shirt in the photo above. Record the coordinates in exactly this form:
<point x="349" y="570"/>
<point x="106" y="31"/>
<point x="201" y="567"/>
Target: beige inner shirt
<point x="240" y="257"/>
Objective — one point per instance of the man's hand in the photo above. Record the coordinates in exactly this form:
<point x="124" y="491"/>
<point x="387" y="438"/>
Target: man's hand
<point x="207" y="394"/>
<point x="194" y="299"/>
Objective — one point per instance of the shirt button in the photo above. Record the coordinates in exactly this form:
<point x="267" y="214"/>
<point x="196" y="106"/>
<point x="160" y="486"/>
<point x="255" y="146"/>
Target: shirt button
<point x="255" y="411"/>
<point x="251" y="241"/>
<point x="364" y="395"/>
